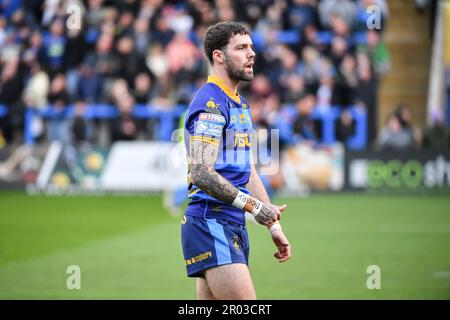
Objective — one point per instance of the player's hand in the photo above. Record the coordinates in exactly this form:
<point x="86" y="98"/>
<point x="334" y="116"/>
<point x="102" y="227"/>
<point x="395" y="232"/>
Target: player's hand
<point x="283" y="252"/>
<point x="268" y="214"/>
<point x="281" y="209"/>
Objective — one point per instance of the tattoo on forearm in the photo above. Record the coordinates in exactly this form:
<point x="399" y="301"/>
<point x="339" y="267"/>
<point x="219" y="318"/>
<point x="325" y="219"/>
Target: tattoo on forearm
<point x="267" y="215"/>
<point x="201" y="170"/>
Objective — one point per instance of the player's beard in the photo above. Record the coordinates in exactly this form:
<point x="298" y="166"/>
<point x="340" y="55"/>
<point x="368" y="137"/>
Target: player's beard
<point x="236" y="74"/>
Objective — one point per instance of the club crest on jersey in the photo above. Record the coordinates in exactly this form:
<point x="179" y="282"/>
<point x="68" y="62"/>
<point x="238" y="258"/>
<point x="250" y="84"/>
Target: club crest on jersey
<point x="211" y="104"/>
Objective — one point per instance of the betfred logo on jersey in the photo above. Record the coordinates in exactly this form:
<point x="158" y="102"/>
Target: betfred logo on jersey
<point x="210" y="124"/>
<point x="211" y="117"/>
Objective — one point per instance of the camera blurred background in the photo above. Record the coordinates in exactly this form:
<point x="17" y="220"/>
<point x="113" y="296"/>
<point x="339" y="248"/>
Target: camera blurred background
<point x="352" y="97"/>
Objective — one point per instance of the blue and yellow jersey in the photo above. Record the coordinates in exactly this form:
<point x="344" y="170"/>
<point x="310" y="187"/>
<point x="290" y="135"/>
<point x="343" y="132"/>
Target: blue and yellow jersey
<point x="218" y="116"/>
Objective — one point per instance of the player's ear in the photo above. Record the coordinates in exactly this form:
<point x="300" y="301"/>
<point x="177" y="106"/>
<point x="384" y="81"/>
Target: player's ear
<point x="218" y="56"/>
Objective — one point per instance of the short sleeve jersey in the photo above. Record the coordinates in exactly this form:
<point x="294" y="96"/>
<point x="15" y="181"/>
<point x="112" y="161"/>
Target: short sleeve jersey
<point x="218" y="116"/>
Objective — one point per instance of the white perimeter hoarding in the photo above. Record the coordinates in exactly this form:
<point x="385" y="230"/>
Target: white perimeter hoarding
<point x="144" y="166"/>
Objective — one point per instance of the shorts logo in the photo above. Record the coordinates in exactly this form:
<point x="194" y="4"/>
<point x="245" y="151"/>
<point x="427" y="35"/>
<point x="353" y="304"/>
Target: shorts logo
<point x="198" y="258"/>
<point x="183" y="220"/>
<point x="236" y="243"/>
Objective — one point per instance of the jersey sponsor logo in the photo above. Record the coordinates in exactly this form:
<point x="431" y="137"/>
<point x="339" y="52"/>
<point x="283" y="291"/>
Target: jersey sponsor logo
<point x="210" y="124"/>
<point x="242" y="140"/>
<point x="243" y="118"/>
<point x="212" y="117"/>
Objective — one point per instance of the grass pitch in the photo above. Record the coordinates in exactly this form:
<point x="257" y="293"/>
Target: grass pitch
<point x="128" y="247"/>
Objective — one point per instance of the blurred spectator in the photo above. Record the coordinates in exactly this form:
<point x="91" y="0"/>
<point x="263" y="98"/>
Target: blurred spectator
<point x="304" y="127"/>
<point x="404" y="115"/>
<point x="11" y="49"/>
<point x="260" y="87"/>
<point x="34" y="53"/>
<point x="162" y="34"/>
<point x="345" y="82"/>
<point x="36" y="89"/>
<point x="181" y="51"/>
<point x="82" y="130"/>
<point x="124" y="26"/>
<point x="11" y="86"/>
<point x="377" y="52"/>
<point x="301" y="13"/>
<point x="339" y="48"/>
<point x="142" y="36"/>
<point x="51" y="8"/>
<point x="311" y="69"/>
<point x="344" y="127"/>
<point x="58" y="126"/>
<point x="89" y="87"/>
<point x="436" y="135"/>
<point x="393" y="136"/>
<point x="55" y="47"/>
<point x="366" y="93"/>
<point x="151" y="52"/>
<point x="340" y="27"/>
<point x="124" y="127"/>
<point x="130" y="63"/>
<point x="3" y="33"/>
<point x="105" y="62"/>
<point x="342" y="9"/>
<point x="143" y="91"/>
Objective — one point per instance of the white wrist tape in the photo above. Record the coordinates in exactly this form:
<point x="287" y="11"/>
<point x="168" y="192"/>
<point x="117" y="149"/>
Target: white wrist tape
<point x="247" y="203"/>
<point x="274" y="227"/>
<point x="240" y="200"/>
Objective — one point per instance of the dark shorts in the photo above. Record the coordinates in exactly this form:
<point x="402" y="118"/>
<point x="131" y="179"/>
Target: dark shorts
<point x="208" y="243"/>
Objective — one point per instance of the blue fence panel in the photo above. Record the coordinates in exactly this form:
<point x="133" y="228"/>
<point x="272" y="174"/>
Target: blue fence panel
<point x="328" y="117"/>
<point x="166" y="118"/>
<point x="3" y="110"/>
<point x="359" y="140"/>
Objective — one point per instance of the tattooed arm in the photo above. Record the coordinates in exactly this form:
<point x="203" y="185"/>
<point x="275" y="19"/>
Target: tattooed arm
<point x="203" y="156"/>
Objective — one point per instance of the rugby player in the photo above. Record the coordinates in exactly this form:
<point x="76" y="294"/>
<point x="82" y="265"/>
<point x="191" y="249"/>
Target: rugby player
<point x="223" y="183"/>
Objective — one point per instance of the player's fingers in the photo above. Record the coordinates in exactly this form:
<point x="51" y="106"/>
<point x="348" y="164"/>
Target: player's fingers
<point x="282" y="208"/>
<point x="285" y="254"/>
<point x="288" y="251"/>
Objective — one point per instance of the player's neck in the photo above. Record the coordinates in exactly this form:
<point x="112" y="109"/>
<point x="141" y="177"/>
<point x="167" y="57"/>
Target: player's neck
<point x="232" y="85"/>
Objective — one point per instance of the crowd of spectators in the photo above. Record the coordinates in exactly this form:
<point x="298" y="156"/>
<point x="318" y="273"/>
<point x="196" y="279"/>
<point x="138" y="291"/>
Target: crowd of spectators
<point x="311" y="55"/>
